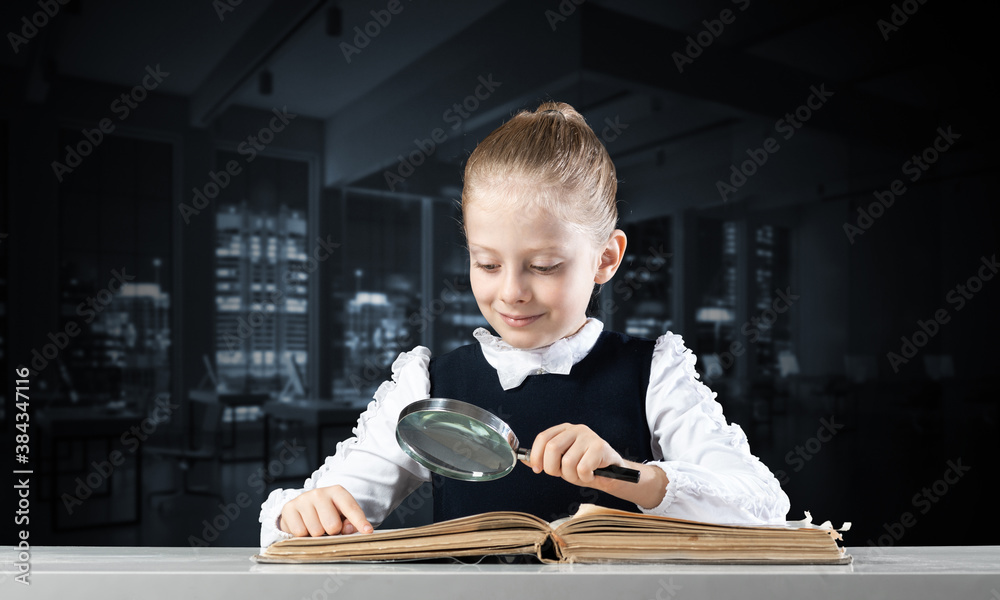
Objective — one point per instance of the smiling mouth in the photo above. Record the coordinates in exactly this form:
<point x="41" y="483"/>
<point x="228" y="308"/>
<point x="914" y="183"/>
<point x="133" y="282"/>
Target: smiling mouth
<point x="517" y="321"/>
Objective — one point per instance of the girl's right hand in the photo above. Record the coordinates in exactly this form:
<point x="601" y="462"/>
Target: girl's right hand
<point x="323" y="511"/>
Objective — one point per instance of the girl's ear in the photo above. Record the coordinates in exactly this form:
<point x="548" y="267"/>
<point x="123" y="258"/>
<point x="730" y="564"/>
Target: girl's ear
<point x="611" y="257"/>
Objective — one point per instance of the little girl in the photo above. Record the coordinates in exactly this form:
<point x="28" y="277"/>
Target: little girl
<point x="539" y="213"/>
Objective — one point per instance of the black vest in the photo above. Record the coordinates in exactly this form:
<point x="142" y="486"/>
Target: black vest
<point x="606" y="391"/>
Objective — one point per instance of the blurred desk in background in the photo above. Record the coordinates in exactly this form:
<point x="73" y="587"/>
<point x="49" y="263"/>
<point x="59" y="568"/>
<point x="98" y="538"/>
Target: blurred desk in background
<point x="66" y="426"/>
<point x="324" y="415"/>
<point x="231" y="400"/>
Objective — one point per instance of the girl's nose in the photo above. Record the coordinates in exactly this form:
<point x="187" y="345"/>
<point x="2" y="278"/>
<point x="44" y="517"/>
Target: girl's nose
<point x="513" y="288"/>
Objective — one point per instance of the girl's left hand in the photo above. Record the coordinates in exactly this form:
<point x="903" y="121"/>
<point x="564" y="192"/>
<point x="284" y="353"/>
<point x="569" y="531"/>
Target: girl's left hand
<point x="573" y="452"/>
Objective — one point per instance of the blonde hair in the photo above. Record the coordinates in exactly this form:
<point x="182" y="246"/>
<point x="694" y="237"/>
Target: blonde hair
<point x="552" y="158"/>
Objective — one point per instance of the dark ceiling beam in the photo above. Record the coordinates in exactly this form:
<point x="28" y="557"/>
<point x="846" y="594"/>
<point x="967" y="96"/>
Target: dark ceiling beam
<point x="514" y="45"/>
<point x="640" y="120"/>
<point x="668" y="137"/>
<point x="771" y="22"/>
<point x="278" y="24"/>
<point x="625" y="47"/>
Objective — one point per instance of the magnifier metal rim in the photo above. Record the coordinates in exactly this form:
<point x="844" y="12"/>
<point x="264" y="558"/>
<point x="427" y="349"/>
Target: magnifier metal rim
<point x="465" y="409"/>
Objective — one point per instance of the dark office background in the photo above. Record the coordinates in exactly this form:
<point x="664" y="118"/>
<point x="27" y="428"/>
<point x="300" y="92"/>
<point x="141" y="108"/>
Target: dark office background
<point x="222" y="220"/>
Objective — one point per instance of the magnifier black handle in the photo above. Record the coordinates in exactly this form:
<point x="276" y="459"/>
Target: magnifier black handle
<point x="616" y="472"/>
<point x="611" y="472"/>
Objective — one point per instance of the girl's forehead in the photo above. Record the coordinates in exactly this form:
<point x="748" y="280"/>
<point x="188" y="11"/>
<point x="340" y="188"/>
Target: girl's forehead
<point x="522" y="228"/>
<point x="512" y="190"/>
<point x="529" y="217"/>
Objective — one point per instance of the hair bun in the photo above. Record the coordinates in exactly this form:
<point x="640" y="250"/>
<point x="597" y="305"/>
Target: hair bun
<point x="562" y="109"/>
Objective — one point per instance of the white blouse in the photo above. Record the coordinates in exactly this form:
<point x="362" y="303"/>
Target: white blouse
<point x="712" y="475"/>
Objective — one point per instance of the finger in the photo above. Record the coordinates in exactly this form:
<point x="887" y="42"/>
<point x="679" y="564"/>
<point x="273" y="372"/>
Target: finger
<point x="291" y="522"/>
<point x="591" y="460"/>
<point x="555" y="449"/>
<point x="351" y="510"/>
<point x="311" y="519"/>
<point x="538" y="447"/>
<point x="571" y="461"/>
<point x="348" y="528"/>
<point x="329" y="516"/>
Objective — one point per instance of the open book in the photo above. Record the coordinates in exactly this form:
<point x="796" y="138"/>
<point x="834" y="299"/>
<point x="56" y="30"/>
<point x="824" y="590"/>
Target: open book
<point x="593" y="534"/>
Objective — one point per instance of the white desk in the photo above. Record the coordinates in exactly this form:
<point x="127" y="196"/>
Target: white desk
<point x="97" y="572"/>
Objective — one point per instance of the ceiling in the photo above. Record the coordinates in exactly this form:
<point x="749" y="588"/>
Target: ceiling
<point x="616" y="60"/>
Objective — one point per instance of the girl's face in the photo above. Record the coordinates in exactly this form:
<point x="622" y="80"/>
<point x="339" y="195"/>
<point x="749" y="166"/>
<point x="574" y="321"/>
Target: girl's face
<point x="533" y="274"/>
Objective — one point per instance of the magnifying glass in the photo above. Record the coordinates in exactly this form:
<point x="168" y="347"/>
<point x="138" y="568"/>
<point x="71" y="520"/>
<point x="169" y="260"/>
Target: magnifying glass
<point x="462" y="441"/>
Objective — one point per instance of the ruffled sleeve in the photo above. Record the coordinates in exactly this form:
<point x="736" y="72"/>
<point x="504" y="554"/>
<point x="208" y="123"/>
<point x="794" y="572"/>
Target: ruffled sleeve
<point x="712" y="474"/>
<point x="370" y="465"/>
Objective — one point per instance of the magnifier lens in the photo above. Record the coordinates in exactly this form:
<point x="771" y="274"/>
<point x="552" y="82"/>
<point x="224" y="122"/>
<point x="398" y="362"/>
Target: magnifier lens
<point x="455" y="445"/>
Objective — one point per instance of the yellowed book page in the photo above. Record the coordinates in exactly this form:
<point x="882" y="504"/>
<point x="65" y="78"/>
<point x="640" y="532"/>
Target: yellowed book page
<point x="456" y="544"/>
<point x="600" y="534"/>
<point x="490" y="533"/>
<point x="485" y="522"/>
<point x="590" y="517"/>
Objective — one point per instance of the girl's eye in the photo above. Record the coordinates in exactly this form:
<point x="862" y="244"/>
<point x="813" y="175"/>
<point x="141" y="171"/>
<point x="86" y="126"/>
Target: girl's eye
<point x="545" y="268"/>
<point x="487" y="267"/>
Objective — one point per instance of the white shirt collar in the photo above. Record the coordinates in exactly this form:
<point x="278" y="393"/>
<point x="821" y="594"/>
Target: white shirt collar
<point x="513" y="365"/>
